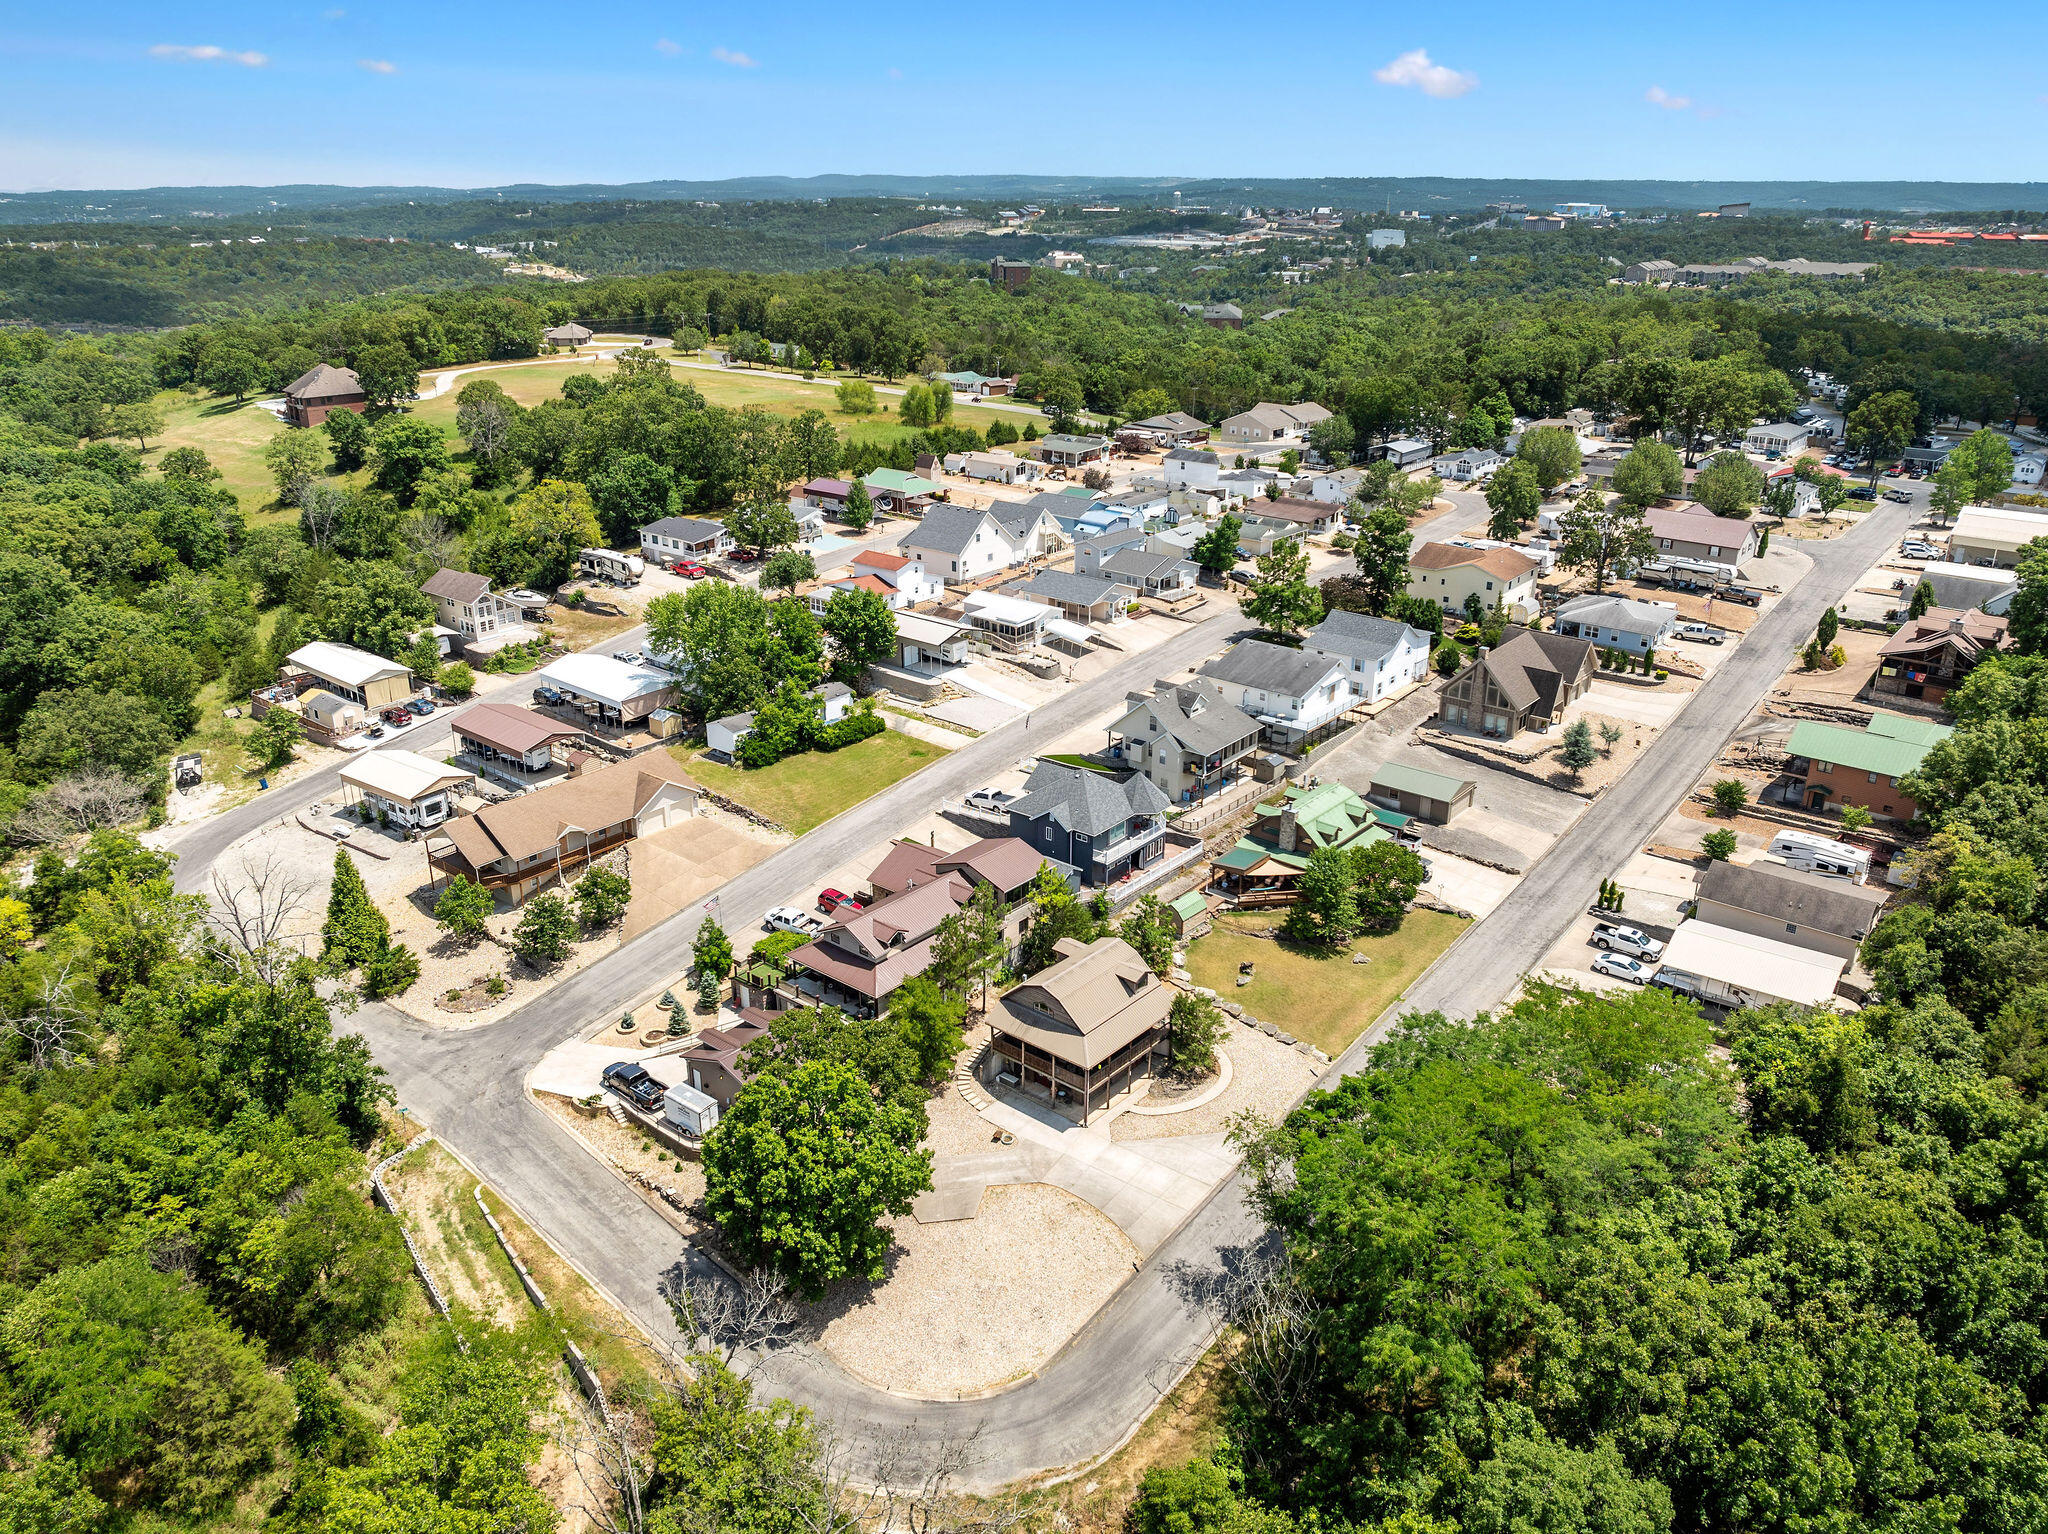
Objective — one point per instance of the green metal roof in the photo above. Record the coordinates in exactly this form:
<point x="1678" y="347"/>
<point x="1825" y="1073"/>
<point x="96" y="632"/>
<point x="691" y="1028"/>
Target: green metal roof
<point x="1242" y="856"/>
<point x="900" y="481"/>
<point x="1418" y="780"/>
<point x="1190" y="905"/>
<point x="1924" y="732"/>
<point x="1859" y="750"/>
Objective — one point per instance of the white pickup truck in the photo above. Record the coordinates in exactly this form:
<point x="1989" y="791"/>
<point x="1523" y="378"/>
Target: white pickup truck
<point x="1616" y="938"/>
<point x="1700" y="633"/>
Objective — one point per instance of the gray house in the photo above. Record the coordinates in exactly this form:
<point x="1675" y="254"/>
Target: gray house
<point x="1186" y="737"/>
<point x="1153" y="575"/>
<point x="1105" y="824"/>
<point x="1614" y="622"/>
<point x="1084" y="598"/>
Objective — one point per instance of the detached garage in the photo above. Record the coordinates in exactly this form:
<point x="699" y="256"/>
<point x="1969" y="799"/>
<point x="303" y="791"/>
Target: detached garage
<point x="1417" y="791"/>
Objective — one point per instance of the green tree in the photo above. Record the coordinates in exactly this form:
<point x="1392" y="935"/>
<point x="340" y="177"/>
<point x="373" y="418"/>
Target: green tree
<point x="1325" y="910"/>
<point x="1385" y="878"/>
<point x="1382" y="556"/>
<point x="545" y="933"/>
<point x="1830" y="625"/>
<point x="1648" y="473"/>
<point x="803" y="1170"/>
<point x="458" y="679"/>
<point x="188" y="463"/>
<point x="1577" y="752"/>
<point x="1922" y="599"/>
<point x="390" y="971"/>
<point x="232" y="370"/>
<point x="1278" y="597"/>
<point x="1334" y="439"/>
<point x="355" y="931"/>
<point x="601" y="897"/>
<point x="275" y="739"/>
<point x="1984" y="464"/>
<point x="969" y="947"/>
<point x="77" y="728"/>
<point x="140" y="420"/>
<point x="711" y="951"/>
<point x="1150" y="931"/>
<point x="763" y="527"/>
<point x="543" y="534"/>
<point x="371" y="604"/>
<point x="404" y="451"/>
<point x="929" y="1021"/>
<point x="1881" y="427"/>
<point x="464" y="909"/>
<point x="293" y="458"/>
<point x="1603" y="536"/>
<point x="1718" y="845"/>
<point x="1194" y="1029"/>
<point x="788" y="569"/>
<point x="1515" y="497"/>
<point x="859" y="510"/>
<point x="1729" y="486"/>
<point x="855" y="397"/>
<point x="628" y="493"/>
<point x="1550" y="453"/>
<point x="1729" y="795"/>
<point x="862" y="628"/>
<point x="348" y="437"/>
<point x="1216" y="550"/>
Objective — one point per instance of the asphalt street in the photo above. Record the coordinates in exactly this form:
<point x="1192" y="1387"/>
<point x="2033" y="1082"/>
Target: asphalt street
<point x="468" y="1086"/>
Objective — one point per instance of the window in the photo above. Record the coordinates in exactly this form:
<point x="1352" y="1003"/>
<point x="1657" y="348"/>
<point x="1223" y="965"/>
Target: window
<point x="1871" y="775"/>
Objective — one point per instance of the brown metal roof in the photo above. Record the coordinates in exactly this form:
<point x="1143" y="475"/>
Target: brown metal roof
<point x="511" y="728"/>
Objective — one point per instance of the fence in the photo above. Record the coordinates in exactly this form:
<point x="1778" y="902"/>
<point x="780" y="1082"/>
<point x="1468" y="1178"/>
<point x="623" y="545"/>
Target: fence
<point x="390" y="1207"/>
<point x="579" y="1366"/>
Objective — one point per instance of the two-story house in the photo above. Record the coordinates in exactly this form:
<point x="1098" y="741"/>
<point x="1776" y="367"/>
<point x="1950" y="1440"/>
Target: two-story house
<point x="1932" y="655"/>
<point x="1191" y="468"/>
<point x="1298" y="696"/>
<point x="1267" y="422"/>
<point x="1083" y="1029"/>
<point x="1448" y="573"/>
<point x="1383" y="655"/>
<point x="670" y="540"/>
<point x="1107" y="825"/>
<point x="1185" y="736"/>
<point x="1264" y="867"/>
<point x="960" y="544"/>
<point x="858" y="961"/>
<point x="899" y="579"/>
<point x="1164" y="576"/>
<point x="1529" y="678"/>
<point x="479" y="621"/>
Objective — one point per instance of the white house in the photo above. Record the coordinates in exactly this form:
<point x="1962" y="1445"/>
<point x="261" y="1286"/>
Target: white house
<point x="1191" y="468"/>
<point x="1617" y="623"/>
<point x="478" y="619"/>
<point x="404" y="787"/>
<point x="1781" y="437"/>
<point x="677" y="538"/>
<point x="1296" y="695"/>
<point x="1405" y="452"/>
<point x="1381" y="655"/>
<point x="722" y="737"/>
<point x="993" y="468"/>
<point x="1467" y="464"/>
<point x="1034" y="525"/>
<point x="899" y="579"/>
<point x="959" y="544"/>
<point x="2027" y="468"/>
<point x="927" y="645"/>
<point x="1011" y="621"/>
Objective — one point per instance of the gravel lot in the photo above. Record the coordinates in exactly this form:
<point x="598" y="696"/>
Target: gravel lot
<point x="1266" y="1078"/>
<point x="974" y="1303"/>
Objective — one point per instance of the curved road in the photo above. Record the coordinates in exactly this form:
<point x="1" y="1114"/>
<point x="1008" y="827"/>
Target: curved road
<point x="469" y="1086"/>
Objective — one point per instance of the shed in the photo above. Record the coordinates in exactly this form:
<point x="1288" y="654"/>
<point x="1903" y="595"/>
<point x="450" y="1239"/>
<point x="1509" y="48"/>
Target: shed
<point x="1418" y="791"/>
<point x="1191" y="915"/>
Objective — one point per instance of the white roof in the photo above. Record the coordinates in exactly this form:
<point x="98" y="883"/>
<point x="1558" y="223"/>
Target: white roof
<point x="344" y="663"/>
<point x="402" y="775"/>
<point x="1001" y="609"/>
<point x="607" y="680"/>
<point x="1762" y="966"/>
<point x="1981" y="525"/>
<point x="1064" y="629"/>
<point x="921" y="628"/>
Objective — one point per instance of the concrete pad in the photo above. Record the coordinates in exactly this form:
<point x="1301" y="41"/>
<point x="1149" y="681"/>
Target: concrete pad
<point x="948" y="1202"/>
<point x="976" y="713"/>
<point x="1637" y="704"/>
<point x="576" y="1069"/>
<point x="1471" y="887"/>
<point x="674" y="868"/>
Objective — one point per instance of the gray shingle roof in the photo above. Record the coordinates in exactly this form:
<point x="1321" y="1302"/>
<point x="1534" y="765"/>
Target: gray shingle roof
<point x="1065" y="586"/>
<point x="1270" y="667"/>
<point x="1786" y="894"/>
<point x="688" y="529"/>
<point x="457" y="585"/>
<point x="1086" y="803"/>
<point x="1358" y="636"/>
<point x="1139" y="565"/>
<point x="1607" y="611"/>
<point x="1529" y="665"/>
<point x="946" y="529"/>
<point x="1197" y="716"/>
<point x="1191" y="455"/>
<point x="324" y="381"/>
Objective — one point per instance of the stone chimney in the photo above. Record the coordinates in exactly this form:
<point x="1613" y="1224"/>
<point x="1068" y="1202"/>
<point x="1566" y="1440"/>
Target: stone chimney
<point x="1957" y="624"/>
<point x="1290" y="830"/>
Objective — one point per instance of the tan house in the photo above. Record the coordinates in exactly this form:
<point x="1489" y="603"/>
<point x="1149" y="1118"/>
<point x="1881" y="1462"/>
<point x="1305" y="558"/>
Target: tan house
<point x="1448" y="573"/>
<point x="1830" y="916"/>
<point x="405" y="788"/>
<point x="559" y="831"/>
<point x="326" y="717"/>
<point x="1527" y="679"/>
<point x="569" y="336"/>
<point x="478" y="620"/>
<point x="1085" y="1028"/>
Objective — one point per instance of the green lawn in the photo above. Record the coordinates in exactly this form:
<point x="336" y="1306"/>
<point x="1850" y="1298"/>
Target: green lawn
<point x="1067" y="760"/>
<point x="803" y="792"/>
<point x="232" y="436"/>
<point x="1316" y="995"/>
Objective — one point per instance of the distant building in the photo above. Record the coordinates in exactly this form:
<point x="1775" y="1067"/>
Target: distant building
<point x="1223" y="316"/>
<point x="318" y="392"/>
<point x="1007" y="274"/>
<point x="567" y="337"/>
<point x="1386" y="239"/>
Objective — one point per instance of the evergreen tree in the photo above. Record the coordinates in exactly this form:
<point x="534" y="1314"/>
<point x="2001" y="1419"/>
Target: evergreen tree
<point x="355" y="930"/>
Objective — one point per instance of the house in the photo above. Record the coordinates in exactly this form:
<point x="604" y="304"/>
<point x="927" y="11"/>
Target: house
<point x="1163" y="576"/>
<point x="1174" y="429"/>
<point x="1617" y="623"/>
<point x="996" y="468"/>
<point x="1781" y="437"/>
<point x="897" y="493"/>
<point x="1090" y="552"/>
<point x="825" y="493"/>
<point x="1403" y="452"/>
<point x="1807" y="910"/>
<point x="609" y="691"/>
<point x="1467" y="464"/>
<point x="897" y="579"/>
<point x="1654" y="270"/>
<point x="349" y="673"/>
<point x="1982" y="536"/>
<point x="1311" y="518"/>
<point x="1381" y="655"/>
<point x="1144" y="503"/>
<point x="1034" y="525"/>
<point x="926" y="644"/>
<point x="405" y="788"/>
<point x="2028" y="468"/>
<point x="980" y="385"/>
<point x="1087" y="519"/>
<point x="1527" y="679"/>
<point x="671" y="540"/>
<point x="1437" y="797"/>
<point x="482" y="621"/>
<point x="712" y="1057"/>
<point x="1931" y="656"/>
<point x="515" y="739"/>
<point x="558" y="831"/>
<point x="1264" y="867"/>
<point x="960" y="544"/>
<point x="1692" y="532"/>
<point x="327" y="718"/>
<point x="1836" y="764"/>
<point x="1450" y="573"/>
<point x="722" y="737"/>
<point x="1186" y="737"/>
<point x="1082" y="598"/>
<point x="1011" y="623"/>
<point x="1107" y="825"/>
<point x="1191" y="468"/>
<point x="570" y="336"/>
<point x="1242" y="487"/>
<point x="858" y="961"/>
<point x="1987" y="590"/>
<point x="1071" y="451"/>
<point x="1003" y="863"/>
<point x="1223" y="316"/>
<point x="1267" y="422"/>
<point x="1733" y="968"/>
<point x="321" y="390"/>
<point x="1083" y="1029"/>
<point x="1299" y="696"/>
<point x="1338" y="486"/>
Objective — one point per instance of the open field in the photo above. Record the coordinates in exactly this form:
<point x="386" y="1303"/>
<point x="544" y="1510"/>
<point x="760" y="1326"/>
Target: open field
<point x="801" y="793"/>
<point x="232" y="435"/>
<point x="1321" y="997"/>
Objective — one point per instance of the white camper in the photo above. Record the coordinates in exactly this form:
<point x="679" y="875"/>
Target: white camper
<point x="1818" y="855"/>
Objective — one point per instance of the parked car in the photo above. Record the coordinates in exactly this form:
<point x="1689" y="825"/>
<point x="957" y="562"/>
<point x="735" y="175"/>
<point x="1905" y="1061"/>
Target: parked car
<point x="1615" y="937"/>
<point x="787" y="918"/>
<point x="743" y="556"/>
<point x="394" y="716"/>
<point x="547" y="695"/>
<point x="833" y="900"/>
<point x="1748" y="596"/>
<point x="633" y="1083"/>
<point x="419" y="707"/>
<point x="993" y="800"/>
<point x="1896" y="494"/>
<point x="1915" y="548"/>
<point x="1614" y="964"/>
<point x="689" y="569"/>
<point x="1700" y="633"/>
<point x="629" y="657"/>
<point x="1862" y="493"/>
<point x="375" y="732"/>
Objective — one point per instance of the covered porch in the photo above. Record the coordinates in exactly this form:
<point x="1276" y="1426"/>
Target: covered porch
<point x="1067" y="1086"/>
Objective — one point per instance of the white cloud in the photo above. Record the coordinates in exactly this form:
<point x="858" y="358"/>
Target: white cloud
<point x="735" y="58"/>
<point x="206" y="53"/>
<point x="663" y="45"/>
<point x="1657" y="96"/>
<point x="1414" y="68"/>
<point x="377" y="66"/>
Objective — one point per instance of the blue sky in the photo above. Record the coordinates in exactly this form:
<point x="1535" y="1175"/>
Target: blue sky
<point x="122" y="94"/>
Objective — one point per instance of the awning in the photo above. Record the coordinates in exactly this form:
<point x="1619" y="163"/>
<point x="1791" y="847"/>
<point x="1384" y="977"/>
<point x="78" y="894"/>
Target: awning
<point x="1067" y="629"/>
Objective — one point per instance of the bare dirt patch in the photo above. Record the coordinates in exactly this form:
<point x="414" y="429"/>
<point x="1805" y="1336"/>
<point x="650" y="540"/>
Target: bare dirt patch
<point x="1266" y="1076"/>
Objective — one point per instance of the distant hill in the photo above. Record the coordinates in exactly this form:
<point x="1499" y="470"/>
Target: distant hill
<point x="1428" y="193"/>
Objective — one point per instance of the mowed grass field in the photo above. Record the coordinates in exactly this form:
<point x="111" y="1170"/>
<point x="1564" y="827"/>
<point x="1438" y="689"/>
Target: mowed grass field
<point x="231" y="435"/>
<point x="801" y="793"/>
<point x="1315" y="995"/>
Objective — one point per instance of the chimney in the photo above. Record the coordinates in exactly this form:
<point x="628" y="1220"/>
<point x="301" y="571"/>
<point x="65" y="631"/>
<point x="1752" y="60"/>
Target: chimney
<point x="1483" y="651"/>
<point x="1957" y="624"/>
<point x="1289" y="829"/>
